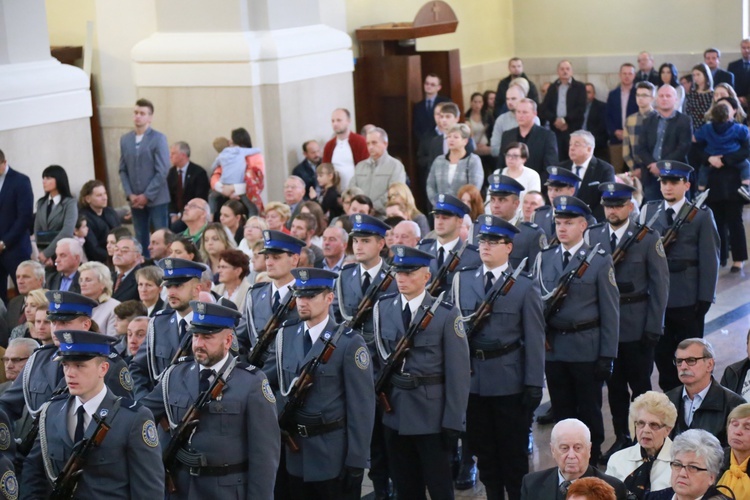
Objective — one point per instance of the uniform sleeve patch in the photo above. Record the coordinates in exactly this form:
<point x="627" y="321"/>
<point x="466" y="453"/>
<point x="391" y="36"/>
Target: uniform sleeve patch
<point x="4" y="437"/>
<point x="9" y="485"/>
<point x="611" y="275"/>
<point x="458" y="327"/>
<point x="126" y="381"/>
<point x="543" y="242"/>
<point x="660" y="248"/>
<point x="150" y="436"/>
<point x="267" y="391"/>
<point x="362" y="358"/>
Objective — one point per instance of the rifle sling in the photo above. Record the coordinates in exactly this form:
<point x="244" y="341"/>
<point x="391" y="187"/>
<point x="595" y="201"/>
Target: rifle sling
<point x="578" y="327"/>
<point x="482" y="353"/>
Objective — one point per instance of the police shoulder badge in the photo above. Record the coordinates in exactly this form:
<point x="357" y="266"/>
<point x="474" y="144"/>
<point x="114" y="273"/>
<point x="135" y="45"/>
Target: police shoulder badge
<point x="4" y="437"/>
<point x="150" y="436"/>
<point x="611" y="275"/>
<point x="267" y="391"/>
<point x="362" y="358"/>
<point x="126" y="381"/>
<point x="9" y="485"/>
<point x="458" y="327"/>
<point x="660" y="248"/>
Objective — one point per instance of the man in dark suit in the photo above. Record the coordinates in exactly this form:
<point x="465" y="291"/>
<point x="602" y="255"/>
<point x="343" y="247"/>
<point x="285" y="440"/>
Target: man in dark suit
<point x="712" y="58"/>
<point x="306" y="169"/>
<point x="619" y="107"/>
<point x="674" y="143"/>
<point x="540" y="141"/>
<point x="646" y="71"/>
<point x="741" y="71"/>
<point x="563" y="106"/>
<point x="68" y="253"/>
<point x="17" y="207"/>
<point x="127" y="255"/>
<point x="594" y="120"/>
<point x="515" y="70"/>
<point x="422" y="115"/>
<point x="186" y="180"/>
<point x="571" y="449"/>
<point x="590" y="169"/>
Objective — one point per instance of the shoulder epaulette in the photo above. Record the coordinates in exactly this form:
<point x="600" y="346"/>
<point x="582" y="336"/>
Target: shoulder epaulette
<point x="547" y="249"/>
<point x="543" y="208"/>
<point x="447" y="304"/>
<point x="59" y="397"/>
<point x="426" y="241"/>
<point x="601" y="251"/>
<point x="260" y="285"/>
<point x="182" y="359"/>
<point x="349" y="265"/>
<point x="246" y="366"/>
<point x="130" y="404"/>
<point x="387" y="296"/>
<point x="597" y="225"/>
<point x="46" y="346"/>
<point x="469" y="268"/>
<point x="163" y="312"/>
<point x="532" y="225"/>
<point x="290" y="322"/>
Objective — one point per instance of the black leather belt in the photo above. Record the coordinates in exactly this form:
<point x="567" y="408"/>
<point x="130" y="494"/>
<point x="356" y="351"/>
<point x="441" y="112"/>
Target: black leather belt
<point x="311" y="430"/>
<point x="490" y="353"/>
<point x="578" y="327"/>
<point x="409" y="382"/>
<point x="634" y="298"/>
<point x="193" y="462"/>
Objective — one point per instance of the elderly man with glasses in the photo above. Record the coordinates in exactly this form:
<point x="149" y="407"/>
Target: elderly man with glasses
<point x="701" y="402"/>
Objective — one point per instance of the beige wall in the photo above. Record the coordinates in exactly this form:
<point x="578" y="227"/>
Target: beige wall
<point x="67" y="20"/>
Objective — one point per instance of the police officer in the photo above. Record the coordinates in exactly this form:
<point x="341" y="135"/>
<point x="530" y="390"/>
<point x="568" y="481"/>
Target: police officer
<point x="507" y="354"/>
<point x="560" y="182"/>
<point x="505" y="195"/>
<point x="282" y="255"/>
<point x="353" y="283"/>
<point x="334" y="425"/>
<point x="449" y="214"/>
<point x="168" y="328"/>
<point x="127" y="463"/>
<point x="693" y="262"/>
<point x="234" y="450"/>
<point x="8" y="472"/>
<point x="429" y="393"/>
<point x="643" y="280"/>
<point x="583" y="333"/>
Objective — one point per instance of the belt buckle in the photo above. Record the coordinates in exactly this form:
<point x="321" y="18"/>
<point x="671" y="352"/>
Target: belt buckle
<point x="195" y="471"/>
<point x="302" y="430"/>
<point x="479" y="354"/>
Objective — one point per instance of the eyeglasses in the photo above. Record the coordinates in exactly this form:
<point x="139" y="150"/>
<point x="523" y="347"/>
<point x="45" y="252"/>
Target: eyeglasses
<point x="492" y="243"/>
<point x="14" y="360"/>
<point x="192" y="205"/>
<point x="692" y="469"/>
<point x="124" y="250"/>
<point x="654" y="426"/>
<point x="689" y="361"/>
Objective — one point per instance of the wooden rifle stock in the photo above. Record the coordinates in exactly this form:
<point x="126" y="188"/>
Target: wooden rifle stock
<point x="269" y="332"/>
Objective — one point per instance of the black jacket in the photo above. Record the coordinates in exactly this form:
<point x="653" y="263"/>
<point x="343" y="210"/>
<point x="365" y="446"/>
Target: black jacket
<point x="575" y="100"/>
<point x="196" y="186"/>
<point x="128" y="289"/>
<point x="712" y="414"/>
<point x="422" y="119"/>
<point x="99" y="227"/>
<point x="597" y="173"/>
<point x="542" y="146"/>
<point x="307" y="174"/>
<point x="54" y="281"/>
<point x="677" y="139"/>
<point x="734" y="375"/>
<point x="502" y="88"/>
<point x="741" y="77"/>
<point x="544" y="484"/>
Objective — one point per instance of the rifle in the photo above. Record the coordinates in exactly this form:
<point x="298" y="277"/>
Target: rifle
<point x="190" y="421"/>
<point x="561" y="290"/>
<point x="301" y="387"/>
<point x="485" y="308"/>
<point x="619" y="253"/>
<point x="268" y="334"/>
<point x="687" y="214"/>
<point x="67" y="481"/>
<point x="450" y="265"/>
<point x="365" y="305"/>
<point x="24" y="446"/>
<point x="554" y="241"/>
<point x="399" y="353"/>
<point x="183" y="350"/>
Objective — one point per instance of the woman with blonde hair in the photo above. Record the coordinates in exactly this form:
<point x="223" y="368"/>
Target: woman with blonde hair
<point x="35" y="300"/>
<point x="96" y="283"/>
<point x="213" y="242"/>
<point x="734" y="473"/>
<point x="398" y="191"/>
<point x="253" y="232"/>
<point x="277" y="214"/>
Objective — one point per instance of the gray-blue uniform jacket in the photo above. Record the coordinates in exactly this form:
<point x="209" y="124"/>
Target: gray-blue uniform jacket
<point x="349" y="293"/>
<point x="544" y="217"/>
<point x="43" y="376"/>
<point x="342" y="390"/>
<point x="516" y="319"/>
<point x="527" y="244"/>
<point x="642" y="278"/>
<point x="240" y="428"/>
<point x="592" y="298"/>
<point x="468" y="259"/>
<point x="693" y="258"/>
<point x="441" y="350"/>
<point x="126" y="465"/>
<point x="155" y="354"/>
<point x="258" y="310"/>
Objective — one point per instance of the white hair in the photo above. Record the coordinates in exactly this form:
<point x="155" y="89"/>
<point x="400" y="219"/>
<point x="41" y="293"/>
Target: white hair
<point x="36" y="267"/>
<point x="703" y="444"/>
<point x="414" y="227"/>
<point x="29" y="344"/>
<point x="572" y="424"/>
<point x="587" y="136"/>
<point x="74" y="246"/>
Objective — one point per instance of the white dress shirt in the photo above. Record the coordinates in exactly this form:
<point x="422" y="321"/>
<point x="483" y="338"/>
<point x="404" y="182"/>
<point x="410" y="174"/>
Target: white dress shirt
<point x="89" y="407"/>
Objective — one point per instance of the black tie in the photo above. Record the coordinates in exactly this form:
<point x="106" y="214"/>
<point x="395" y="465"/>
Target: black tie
<point x="564" y="488"/>
<point x="613" y="242"/>
<point x="441" y="257"/>
<point x="490" y="278"/>
<point x="276" y="301"/>
<point x="80" y="412"/>
<point x="49" y="208"/>
<point x="307" y="342"/>
<point x="670" y="216"/>
<point x="183" y="328"/>
<point x="578" y="170"/>
<point x="406" y="316"/>
<point x="566" y="259"/>
<point x="204" y="382"/>
<point x="365" y="283"/>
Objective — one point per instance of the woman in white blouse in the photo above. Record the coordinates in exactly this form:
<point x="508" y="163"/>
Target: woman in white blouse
<point x="516" y="155"/>
<point x="96" y="284"/>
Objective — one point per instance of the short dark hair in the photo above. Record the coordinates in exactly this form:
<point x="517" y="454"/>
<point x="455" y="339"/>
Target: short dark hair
<point x="589" y="84"/>
<point x="433" y="75"/>
<point x="2" y="156"/>
<point x="363" y="199"/>
<point x="522" y="148"/>
<point x="647" y="86"/>
<point x="311" y="222"/>
<point x="241" y="137"/>
<point x="714" y="50"/>
<point x="627" y="65"/>
<point x="145" y="103"/>
<point x="236" y="258"/>
<point x="304" y="145"/>
<point x="450" y="108"/>
<point x="190" y="247"/>
<point x="130" y="309"/>
<point x="61" y="178"/>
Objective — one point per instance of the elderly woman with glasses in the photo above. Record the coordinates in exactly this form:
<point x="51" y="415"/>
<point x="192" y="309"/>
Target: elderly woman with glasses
<point x="451" y="171"/>
<point x="735" y="474"/>
<point x="644" y="466"/>
<point x="696" y="463"/>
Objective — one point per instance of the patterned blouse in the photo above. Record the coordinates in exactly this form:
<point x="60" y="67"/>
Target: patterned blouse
<point x="696" y="106"/>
